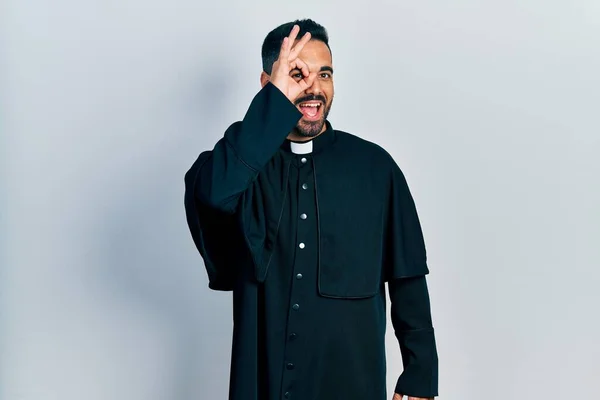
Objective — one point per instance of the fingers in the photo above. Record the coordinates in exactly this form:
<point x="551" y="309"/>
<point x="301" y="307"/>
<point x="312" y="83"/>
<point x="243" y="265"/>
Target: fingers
<point x="298" y="47"/>
<point x="308" y="81"/>
<point x="288" y="42"/>
<point x="287" y="52"/>
<point x="293" y="35"/>
<point x="284" y="51"/>
<point x="301" y="65"/>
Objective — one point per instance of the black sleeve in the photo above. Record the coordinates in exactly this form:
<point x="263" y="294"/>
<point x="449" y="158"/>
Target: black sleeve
<point x="219" y="177"/>
<point x="222" y="175"/>
<point x="218" y="240"/>
<point x="411" y="318"/>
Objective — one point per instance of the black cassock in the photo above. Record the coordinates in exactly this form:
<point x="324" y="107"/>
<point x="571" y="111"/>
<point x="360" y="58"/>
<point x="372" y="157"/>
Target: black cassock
<point x="306" y="242"/>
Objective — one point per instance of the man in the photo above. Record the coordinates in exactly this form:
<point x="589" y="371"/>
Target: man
<point x="306" y="224"/>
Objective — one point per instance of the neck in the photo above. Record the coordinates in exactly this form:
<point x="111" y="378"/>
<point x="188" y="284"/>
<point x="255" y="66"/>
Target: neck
<point x="299" y="138"/>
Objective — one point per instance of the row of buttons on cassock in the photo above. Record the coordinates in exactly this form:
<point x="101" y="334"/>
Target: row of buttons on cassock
<point x="296" y="307"/>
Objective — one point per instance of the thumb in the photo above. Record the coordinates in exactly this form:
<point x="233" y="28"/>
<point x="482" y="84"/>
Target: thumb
<point x="398" y="396"/>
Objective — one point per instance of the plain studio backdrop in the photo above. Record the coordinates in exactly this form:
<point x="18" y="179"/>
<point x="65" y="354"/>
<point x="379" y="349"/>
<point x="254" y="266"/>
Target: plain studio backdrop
<point x="491" y="108"/>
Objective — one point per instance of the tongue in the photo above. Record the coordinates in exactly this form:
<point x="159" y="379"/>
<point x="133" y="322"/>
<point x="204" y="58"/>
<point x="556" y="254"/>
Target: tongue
<point x="310" y="111"/>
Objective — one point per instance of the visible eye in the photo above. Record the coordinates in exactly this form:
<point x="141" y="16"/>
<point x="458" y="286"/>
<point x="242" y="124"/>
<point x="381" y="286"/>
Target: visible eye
<point x="296" y="74"/>
<point x="326" y="75"/>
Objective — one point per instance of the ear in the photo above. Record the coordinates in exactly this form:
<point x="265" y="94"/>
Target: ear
<point x="264" y="78"/>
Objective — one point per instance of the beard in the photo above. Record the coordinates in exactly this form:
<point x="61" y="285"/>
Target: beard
<point x="313" y="128"/>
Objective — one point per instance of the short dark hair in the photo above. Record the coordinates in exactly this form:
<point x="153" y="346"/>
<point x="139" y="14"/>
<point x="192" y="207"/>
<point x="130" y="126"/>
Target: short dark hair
<point x="272" y="44"/>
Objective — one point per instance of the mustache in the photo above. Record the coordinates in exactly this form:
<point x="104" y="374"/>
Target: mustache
<point x="311" y="98"/>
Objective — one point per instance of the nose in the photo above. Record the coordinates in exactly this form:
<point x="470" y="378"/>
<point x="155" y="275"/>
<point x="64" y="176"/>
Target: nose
<point x="315" y="88"/>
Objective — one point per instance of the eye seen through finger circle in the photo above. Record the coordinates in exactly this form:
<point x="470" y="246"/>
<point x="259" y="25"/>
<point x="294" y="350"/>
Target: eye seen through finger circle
<point x="296" y="74"/>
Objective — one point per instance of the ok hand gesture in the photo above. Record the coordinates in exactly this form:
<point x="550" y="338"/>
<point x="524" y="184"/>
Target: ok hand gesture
<point x="289" y="61"/>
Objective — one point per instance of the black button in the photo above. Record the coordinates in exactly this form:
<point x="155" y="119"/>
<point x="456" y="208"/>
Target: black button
<point x="299" y="276"/>
<point x="296" y="307"/>
<point x="287" y="395"/>
<point x="293" y="336"/>
<point x="290" y="366"/>
<point x="304" y="186"/>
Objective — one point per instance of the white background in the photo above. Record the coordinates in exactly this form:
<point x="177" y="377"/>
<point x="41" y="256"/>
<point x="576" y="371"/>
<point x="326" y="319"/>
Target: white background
<point x="491" y="108"/>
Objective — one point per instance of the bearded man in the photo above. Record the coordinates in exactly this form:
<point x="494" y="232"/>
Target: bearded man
<point x="306" y="224"/>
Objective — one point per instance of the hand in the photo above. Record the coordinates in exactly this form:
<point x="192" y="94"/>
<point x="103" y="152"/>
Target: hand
<point x="401" y="396"/>
<point x="288" y="60"/>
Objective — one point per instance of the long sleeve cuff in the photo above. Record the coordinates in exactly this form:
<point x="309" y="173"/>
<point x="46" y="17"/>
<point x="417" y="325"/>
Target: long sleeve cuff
<point x="268" y="121"/>
<point x="219" y="177"/>
<point x="411" y="317"/>
<point x="420" y="376"/>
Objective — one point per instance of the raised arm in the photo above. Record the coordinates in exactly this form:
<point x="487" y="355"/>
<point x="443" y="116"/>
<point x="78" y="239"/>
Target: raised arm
<point x="220" y="176"/>
<point x="216" y="181"/>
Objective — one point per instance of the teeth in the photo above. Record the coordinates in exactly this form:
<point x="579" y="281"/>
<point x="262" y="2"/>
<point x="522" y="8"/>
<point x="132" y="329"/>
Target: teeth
<point x="309" y="105"/>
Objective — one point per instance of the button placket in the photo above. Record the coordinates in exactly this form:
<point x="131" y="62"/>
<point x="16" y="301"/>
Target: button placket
<point x="297" y="311"/>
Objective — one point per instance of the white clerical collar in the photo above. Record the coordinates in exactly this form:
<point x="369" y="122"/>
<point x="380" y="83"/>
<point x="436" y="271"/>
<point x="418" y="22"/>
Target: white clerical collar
<point x="301" y="147"/>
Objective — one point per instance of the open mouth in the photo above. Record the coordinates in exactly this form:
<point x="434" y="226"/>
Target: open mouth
<point x="311" y="110"/>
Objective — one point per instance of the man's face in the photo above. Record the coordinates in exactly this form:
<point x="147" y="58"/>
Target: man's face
<point x="315" y="102"/>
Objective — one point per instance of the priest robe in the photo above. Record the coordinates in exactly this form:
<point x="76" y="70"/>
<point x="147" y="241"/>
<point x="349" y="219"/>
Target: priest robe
<point x="306" y="242"/>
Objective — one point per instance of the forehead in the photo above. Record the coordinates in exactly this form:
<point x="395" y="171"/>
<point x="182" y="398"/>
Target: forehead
<point x="316" y="53"/>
